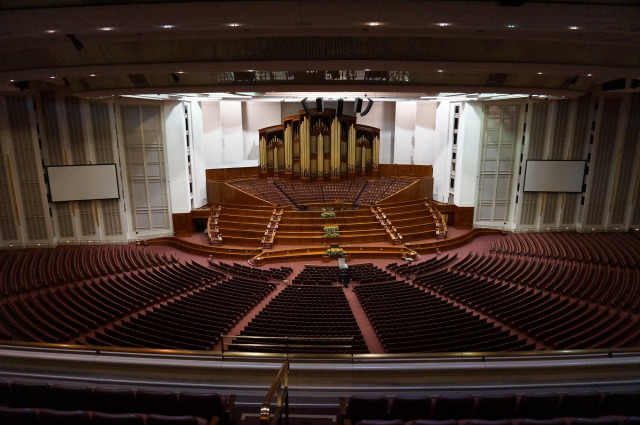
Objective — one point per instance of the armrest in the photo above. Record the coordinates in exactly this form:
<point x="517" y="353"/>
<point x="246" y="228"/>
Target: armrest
<point x="214" y="420"/>
<point x="344" y="401"/>
<point x="231" y="403"/>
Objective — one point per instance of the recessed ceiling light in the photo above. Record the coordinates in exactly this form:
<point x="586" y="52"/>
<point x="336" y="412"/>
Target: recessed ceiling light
<point x="106" y="28"/>
<point x="52" y="31"/>
<point x="539" y="73"/>
<point x="179" y="72"/>
<point x="167" y="26"/>
<point x="443" y="24"/>
<point x="52" y="77"/>
<point x="234" y="25"/>
<point x="373" y="24"/>
<point x="511" y="26"/>
<point x="441" y="70"/>
<point x="589" y="75"/>
<point x="573" y="27"/>
<point x="92" y="75"/>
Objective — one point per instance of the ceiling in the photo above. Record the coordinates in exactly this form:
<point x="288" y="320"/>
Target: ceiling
<point x="395" y="48"/>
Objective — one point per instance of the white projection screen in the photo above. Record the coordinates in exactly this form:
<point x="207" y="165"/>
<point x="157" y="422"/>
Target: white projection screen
<point x="83" y="182"/>
<point x="554" y="176"/>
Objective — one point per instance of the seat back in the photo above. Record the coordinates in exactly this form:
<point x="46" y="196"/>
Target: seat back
<point x="538" y="406"/>
<point x="496" y="407"/>
<point x="409" y="408"/>
<point x="453" y="407"/>
<point x="63" y="417"/>
<point x="159" y="402"/>
<point x="366" y="407"/>
<point x="65" y="397"/>
<point x="101" y="418"/>
<point x="29" y="394"/>
<point x="625" y="403"/>
<point x="18" y="416"/>
<point x="203" y="405"/>
<point x="583" y="405"/>
<point x="111" y="400"/>
<point x="154" y="419"/>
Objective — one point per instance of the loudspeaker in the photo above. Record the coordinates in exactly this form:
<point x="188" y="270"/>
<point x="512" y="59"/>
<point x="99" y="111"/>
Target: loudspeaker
<point x="319" y="104"/>
<point x="368" y="108"/>
<point x="306" y="107"/>
<point x="357" y="105"/>
<point x="340" y="107"/>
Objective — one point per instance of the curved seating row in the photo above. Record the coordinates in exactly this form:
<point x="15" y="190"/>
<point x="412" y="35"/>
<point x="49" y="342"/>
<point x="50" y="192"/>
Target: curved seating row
<point x="560" y="322"/>
<point x="566" y="277"/>
<point x="42" y="403"/>
<point x="193" y="321"/>
<point x="617" y="249"/>
<point x="545" y="406"/>
<point x="408" y="319"/>
<point x="59" y="314"/>
<point x="326" y="275"/>
<point x="30" y="269"/>
<point x="237" y="269"/>
<point x="311" y="312"/>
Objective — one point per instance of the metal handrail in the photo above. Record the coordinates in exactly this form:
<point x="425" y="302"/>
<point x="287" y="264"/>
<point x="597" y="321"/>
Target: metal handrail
<point x="279" y="388"/>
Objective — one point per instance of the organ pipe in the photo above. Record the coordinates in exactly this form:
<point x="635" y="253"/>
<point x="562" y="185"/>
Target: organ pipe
<point x="351" y="150"/>
<point x="263" y="154"/>
<point x="288" y="149"/>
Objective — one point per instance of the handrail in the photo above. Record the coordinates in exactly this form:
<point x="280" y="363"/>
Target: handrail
<point x="286" y="344"/>
<point x="279" y="388"/>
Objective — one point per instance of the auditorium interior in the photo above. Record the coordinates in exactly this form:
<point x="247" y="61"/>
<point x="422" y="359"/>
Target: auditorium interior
<point x="354" y="212"/>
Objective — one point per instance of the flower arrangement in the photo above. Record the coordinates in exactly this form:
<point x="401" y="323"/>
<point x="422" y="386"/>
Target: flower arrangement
<point x="335" y="251"/>
<point x="327" y="214"/>
<point x="331" y="235"/>
<point x="329" y="229"/>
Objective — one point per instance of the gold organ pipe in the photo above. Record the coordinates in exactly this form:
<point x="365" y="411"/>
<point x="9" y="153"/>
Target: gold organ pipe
<point x="376" y="152"/>
<point x="288" y="149"/>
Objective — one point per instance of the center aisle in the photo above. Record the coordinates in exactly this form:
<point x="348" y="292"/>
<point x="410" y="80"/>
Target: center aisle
<point x="370" y="337"/>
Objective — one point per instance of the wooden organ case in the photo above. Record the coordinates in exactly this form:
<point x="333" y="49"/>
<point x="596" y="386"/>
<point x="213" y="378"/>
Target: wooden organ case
<point x="319" y="145"/>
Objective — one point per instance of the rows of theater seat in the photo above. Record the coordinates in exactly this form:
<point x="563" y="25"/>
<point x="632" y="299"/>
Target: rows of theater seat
<point x="194" y="321"/>
<point x="237" y="269"/>
<point x="561" y="276"/>
<point x="321" y="192"/>
<point x="326" y="275"/>
<point x="550" y="408"/>
<point x="616" y="249"/>
<point x="31" y="269"/>
<point x="27" y="403"/>
<point x="433" y="263"/>
<point x="263" y="189"/>
<point x="317" y="313"/>
<point x="382" y="188"/>
<point x="62" y="313"/>
<point x="409" y="319"/>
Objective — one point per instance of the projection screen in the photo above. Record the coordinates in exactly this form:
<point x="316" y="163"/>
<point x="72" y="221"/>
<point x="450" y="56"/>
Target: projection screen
<point x="554" y="176"/>
<point x="83" y="182"/>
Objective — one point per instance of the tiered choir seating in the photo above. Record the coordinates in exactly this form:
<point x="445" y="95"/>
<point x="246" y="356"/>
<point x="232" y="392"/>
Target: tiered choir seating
<point x="193" y="321"/>
<point x="260" y="188"/>
<point x="408" y="319"/>
<point x="311" y="312"/>
<point x="580" y="408"/>
<point x="283" y="192"/>
<point x="412" y="220"/>
<point x="243" y="226"/>
<point x="306" y="227"/>
<point x="45" y="404"/>
<point x="383" y="187"/>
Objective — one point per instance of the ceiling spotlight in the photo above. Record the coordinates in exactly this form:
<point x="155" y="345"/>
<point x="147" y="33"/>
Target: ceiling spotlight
<point x="443" y="24"/>
<point x="511" y="26"/>
<point x="234" y="24"/>
<point x="573" y="27"/>
<point x="175" y="77"/>
<point x="167" y="26"/>
<point x="77" y="43"/>
<point x="106" y="28"/>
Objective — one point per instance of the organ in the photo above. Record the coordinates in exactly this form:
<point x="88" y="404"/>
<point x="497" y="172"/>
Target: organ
<point x="319" y="145"/>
